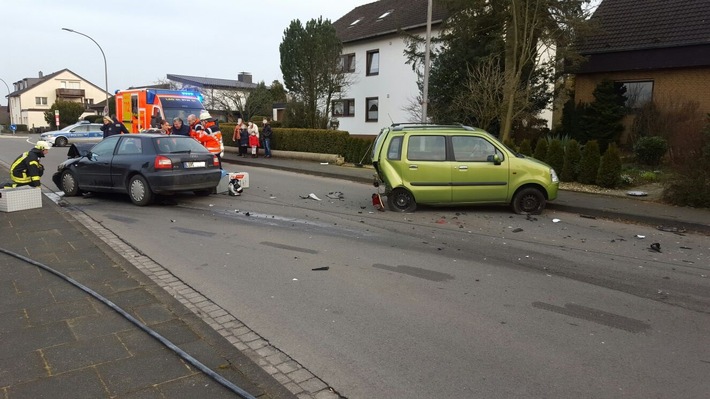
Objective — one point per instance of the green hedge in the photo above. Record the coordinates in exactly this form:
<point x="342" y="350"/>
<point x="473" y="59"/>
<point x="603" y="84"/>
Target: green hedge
<point x="311" y="140"/>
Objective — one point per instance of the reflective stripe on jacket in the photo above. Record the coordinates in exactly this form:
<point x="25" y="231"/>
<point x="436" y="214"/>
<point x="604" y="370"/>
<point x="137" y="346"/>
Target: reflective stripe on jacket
<point x="26" y="169"/>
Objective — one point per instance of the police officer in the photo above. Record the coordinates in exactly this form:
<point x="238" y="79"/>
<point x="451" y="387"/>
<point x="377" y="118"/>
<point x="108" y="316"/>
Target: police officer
<point x="27" y="170"/>
<point x="111" y="127"/>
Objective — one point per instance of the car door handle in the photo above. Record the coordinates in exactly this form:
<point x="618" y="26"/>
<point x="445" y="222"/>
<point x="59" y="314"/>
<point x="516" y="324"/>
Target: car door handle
<point x="413" y="167"/>
<point x="463" y="167"/>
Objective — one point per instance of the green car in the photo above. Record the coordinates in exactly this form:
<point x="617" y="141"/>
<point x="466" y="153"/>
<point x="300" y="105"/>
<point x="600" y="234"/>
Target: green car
<point x="457" y="165"/>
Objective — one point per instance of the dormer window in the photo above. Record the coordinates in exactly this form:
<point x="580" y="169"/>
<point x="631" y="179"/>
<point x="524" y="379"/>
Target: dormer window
<point x="384" y="15"/>
<point x="356" y="21"/>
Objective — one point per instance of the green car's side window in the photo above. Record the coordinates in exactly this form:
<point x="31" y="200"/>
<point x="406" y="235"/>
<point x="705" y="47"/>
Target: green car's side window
<point x="394" y="152"/>
<point x="426" y="148"/>
<point x="472" y="149"/>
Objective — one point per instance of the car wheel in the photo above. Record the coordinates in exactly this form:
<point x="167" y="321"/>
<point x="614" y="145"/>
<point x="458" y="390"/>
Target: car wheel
<point x="60" y="141"/>
<point x="401" y="200"/>
<point x="139" y="191"/>
<point x="528" y="201"/>
<point x="69" y="184"/>
<point x="203" y="193"/>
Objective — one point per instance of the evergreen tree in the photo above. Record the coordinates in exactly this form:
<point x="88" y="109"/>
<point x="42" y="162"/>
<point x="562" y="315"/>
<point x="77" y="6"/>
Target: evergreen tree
<point x="573" y="154"/>
<point x="589" y="164"/>
<point x="541" y="149"/>
<point x="311" y="67"/>
<point x="525" y="147"/>
<point x="609" y="174"/>
<point x="555" y="155"/>
<point x="601" y="120"/>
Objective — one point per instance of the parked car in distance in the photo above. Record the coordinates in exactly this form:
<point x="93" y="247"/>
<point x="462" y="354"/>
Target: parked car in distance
<point x="82" y="132"/>
<point x="457" y="165"/>
<point x="140" y="165"/>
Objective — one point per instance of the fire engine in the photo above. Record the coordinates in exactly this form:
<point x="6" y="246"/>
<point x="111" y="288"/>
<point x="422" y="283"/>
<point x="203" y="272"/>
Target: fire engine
<point x="141" y="109"/>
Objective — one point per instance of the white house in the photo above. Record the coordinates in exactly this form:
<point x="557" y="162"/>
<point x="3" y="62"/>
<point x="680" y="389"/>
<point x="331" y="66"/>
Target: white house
<point x="222" y="97"/>
<point x="382" y="85"/>
<point x="32" y="97"/>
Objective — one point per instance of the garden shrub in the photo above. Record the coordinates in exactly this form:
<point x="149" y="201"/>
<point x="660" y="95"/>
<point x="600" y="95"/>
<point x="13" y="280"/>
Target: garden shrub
<point x="570" y="166"/>
<point x="649" y="150"/>
<point x="691" y="187"/>
<point x="555" y="155"/>
<point x="589" y="163"/>
<point x="540" y="150"/>
<point x="609" y="174"/>
<point x="525" y="147"/>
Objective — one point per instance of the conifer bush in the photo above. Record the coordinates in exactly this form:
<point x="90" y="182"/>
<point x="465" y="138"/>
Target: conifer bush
<point x="589" y="163"/>
<point x="555" y="155"/>
<point x="526" y="147"/>
<point x="540" y="150"/>
<point x="570" y="166"/>
<point x="609" y="174"/>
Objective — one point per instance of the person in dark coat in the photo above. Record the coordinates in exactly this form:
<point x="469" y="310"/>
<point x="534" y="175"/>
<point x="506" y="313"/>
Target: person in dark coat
<point x="180" y="128"/>
<point x="111" y="127"/>
<point x="267" y="133"/>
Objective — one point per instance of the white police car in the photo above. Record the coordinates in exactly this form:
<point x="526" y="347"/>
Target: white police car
<point x="82" y="132"/>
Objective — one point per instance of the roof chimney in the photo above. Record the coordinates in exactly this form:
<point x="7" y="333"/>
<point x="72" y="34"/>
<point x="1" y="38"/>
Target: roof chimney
<point x="244" y="77"/>
<point x="41" y="75"/>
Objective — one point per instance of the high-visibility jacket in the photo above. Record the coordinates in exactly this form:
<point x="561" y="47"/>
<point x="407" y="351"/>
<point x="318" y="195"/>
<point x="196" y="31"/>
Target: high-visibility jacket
<point x="212" y="140"/>
<point x="26" y="169"/>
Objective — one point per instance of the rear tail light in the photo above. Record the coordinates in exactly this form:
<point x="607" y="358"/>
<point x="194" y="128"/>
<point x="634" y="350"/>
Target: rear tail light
<point x="215" y="161"/>
<point x="162" y="162"/>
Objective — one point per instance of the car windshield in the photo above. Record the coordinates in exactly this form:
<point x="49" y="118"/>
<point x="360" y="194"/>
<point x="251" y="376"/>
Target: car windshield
<point x="178" y="144"/>
<point x="179" y="107"/>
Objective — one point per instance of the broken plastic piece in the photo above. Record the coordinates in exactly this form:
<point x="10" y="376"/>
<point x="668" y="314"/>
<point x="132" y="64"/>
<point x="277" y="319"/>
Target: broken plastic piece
<point x="377" y="202"/>
<point x="321" y="268"/>
<point x="639" y="236"/>
<point x="555" y="220"/>
<point x="335" y="195"/>
<point x="313" y="196"/>
<point x="518" y="230"/>
<point x="656" y="247"/>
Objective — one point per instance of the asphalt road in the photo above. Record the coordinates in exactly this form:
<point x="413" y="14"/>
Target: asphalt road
<point x="453" y="302"/>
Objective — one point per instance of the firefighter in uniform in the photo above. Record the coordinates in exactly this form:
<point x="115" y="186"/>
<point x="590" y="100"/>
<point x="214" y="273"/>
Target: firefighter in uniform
<point x="26" y="170"/>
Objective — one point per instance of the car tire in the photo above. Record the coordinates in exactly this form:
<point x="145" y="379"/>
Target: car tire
<point x="139" y="191"/>
<point x="528" y="201"/>
<point x="203" y="193"/>
<point x="69" y="184"/>
<point x="60" y="142"/>
<point x="401" y="200"/>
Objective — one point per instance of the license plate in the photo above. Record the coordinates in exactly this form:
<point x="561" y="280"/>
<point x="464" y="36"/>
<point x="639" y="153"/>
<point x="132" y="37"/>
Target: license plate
<point x="200" y="164"/>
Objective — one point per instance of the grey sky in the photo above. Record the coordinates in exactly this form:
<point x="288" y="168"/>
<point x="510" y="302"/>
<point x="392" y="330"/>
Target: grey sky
<point x="145" y="40"/>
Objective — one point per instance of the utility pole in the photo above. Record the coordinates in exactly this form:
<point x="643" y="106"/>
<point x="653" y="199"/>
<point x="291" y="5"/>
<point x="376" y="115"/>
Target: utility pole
<point x="427" y="49"/>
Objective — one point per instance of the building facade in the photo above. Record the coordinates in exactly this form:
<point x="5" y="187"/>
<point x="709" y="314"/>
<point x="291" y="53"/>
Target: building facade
<point x="32" y="97"/>
<point x="659" y="51"/>
<point x="381" y="86"/>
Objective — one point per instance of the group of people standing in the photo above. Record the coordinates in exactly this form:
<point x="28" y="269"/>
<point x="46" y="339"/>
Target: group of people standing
<point x="247" y="136"/>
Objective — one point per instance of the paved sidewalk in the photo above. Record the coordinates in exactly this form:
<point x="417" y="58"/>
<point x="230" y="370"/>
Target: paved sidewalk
<point x="57" y="341"/>
<point x="630" y="209"/>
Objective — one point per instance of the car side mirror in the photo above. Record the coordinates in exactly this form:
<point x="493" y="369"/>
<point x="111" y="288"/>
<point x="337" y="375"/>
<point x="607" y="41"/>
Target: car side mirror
<point x="494" y="158"/>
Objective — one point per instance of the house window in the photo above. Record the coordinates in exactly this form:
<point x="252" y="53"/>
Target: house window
<point x="373" y="62"/>
<point x="344" y="107"/>
<point x="372" y="107"/>
<point x="638" y="93"/>
<point x="41" y="100"/>
<point x="89" y="101"/>
<point x="347" y="62"/>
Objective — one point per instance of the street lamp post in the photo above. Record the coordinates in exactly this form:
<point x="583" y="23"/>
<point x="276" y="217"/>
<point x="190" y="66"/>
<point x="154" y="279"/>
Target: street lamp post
<point x="8" y="99"/>
<point x="102" y="53"/>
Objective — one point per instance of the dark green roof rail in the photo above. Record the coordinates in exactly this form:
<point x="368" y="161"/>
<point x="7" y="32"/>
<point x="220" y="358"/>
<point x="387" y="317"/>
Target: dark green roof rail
<point x="415" y="125"/>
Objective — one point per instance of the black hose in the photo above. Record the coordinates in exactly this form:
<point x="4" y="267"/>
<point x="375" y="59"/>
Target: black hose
<point x="226" y="383"/>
